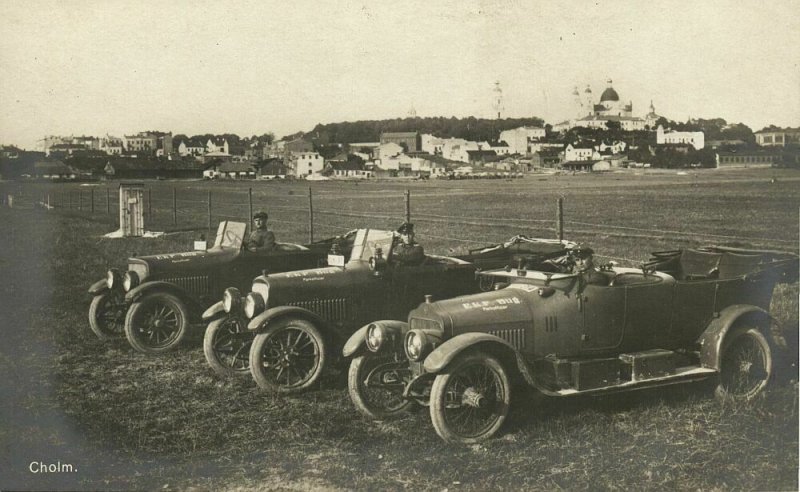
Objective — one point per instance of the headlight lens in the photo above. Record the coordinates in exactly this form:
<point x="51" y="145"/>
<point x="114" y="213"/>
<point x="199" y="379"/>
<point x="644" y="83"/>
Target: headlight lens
<point x="231" y="299"/>
<point x="112" y="277"/>
<point x="130" y="281"/>
<point x="415" y="344"/>
<point x="253" y="304"/>
<point x="375" y="337"/>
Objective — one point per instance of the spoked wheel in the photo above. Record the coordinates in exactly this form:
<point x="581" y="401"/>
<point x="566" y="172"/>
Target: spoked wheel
<point x="157" y="323"/>
<point x="107" y="315"/>
<point x="376" y="384"/>
<point x="745" y="365"/>
<point x="289" y="357"/>
<point x="226" y="346"/>
<point x="469" y="402"/>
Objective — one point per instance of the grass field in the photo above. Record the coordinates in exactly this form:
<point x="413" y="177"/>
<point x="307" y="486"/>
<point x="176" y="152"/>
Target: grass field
<point x="127" y="421"/>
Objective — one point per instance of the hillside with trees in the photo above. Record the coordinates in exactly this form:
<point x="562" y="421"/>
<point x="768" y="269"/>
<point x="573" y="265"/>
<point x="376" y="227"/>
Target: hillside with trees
<point x="471" y="128"/>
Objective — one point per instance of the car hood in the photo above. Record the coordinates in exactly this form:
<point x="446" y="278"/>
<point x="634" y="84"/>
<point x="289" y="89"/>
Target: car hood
<point x="497" y="310"/>
<point x="315" y="283"/>
<point x="184" y="262"/>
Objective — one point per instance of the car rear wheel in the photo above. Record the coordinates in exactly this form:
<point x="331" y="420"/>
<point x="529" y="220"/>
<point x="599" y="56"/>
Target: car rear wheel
<point x="745" y="364"/>
<point x="156" y="323"/>
<point x="376" y="384"/>
<point x="107" y="315"/>
<point x="226" y="345"/>
<point x="289" y="357"/>
<point x="470" y="401"/>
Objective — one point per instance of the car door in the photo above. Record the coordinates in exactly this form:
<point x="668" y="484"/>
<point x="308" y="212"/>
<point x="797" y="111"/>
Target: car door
<point x="603" y="309"/>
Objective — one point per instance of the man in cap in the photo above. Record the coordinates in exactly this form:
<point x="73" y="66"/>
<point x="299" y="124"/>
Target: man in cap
<point x="261" y="239"/>
<point x="407" y="251"/>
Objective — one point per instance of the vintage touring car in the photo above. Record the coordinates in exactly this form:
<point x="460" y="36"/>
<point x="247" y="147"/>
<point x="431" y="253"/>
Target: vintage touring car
<point x="684" y="316"/>
<point x="156" y="300"/>
<point x="290" y="324"/>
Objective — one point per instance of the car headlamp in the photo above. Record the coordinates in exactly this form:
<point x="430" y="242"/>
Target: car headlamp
<point x="376" y="335"/>
<point x="231" y="299"/>
<point x="253" y="304"/>
<point x="416" y="342"/>
<point x="113" y="278"/>
<point x="130" y="280"/>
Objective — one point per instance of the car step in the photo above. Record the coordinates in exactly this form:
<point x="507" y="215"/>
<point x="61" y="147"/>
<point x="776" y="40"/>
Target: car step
<point x="680" y="375"/>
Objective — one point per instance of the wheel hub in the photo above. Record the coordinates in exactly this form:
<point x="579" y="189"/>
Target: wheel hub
<point x="473" y="398"/>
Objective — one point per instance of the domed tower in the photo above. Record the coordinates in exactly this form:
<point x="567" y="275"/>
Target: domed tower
<point x="610" y="101"/>
<point x="588" y="100"/>
<point x="576" y="99"/>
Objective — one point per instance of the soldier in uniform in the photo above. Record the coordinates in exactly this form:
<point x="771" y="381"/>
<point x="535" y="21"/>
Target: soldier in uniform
<point x="407" y="251"/>
<point x="261" y="239"/>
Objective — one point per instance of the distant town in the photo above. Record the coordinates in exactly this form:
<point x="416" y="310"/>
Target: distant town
<point x="603" y="135"/>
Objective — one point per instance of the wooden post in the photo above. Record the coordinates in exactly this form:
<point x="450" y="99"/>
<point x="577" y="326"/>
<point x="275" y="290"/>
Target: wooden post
<point x="209" y="213"/>
<point x="80" y="200"/>
<point x="408" y="205"/>
<point x="560" y="218"/>
<point x="250" y="203"/>
<point x="310" y="217"/>
<point x="92" y="195"/>
<point x="149" y="203"/>
<point x="174" y="206"/>
<point x="108" y="201"/>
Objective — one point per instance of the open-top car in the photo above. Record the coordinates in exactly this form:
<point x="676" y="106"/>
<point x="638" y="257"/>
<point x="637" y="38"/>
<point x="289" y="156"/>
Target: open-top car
<point x="290" y="324"/>
<point x="154" y="302"/>
<point x="684" y="316"/>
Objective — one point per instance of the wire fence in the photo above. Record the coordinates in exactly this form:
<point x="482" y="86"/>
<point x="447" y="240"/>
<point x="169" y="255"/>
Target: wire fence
<point x="304" y="216"/>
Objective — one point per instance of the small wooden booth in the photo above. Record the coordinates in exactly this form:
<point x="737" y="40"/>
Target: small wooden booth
<point x="131" y="209"/>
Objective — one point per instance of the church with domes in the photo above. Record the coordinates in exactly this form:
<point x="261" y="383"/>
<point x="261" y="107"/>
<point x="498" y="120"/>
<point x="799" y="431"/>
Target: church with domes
<point x="590" y="113"/>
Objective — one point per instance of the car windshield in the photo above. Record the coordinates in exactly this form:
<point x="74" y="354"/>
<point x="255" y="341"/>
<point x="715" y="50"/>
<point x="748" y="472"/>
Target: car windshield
<point x="230" y="235"/>
<point x="368" y="241"/>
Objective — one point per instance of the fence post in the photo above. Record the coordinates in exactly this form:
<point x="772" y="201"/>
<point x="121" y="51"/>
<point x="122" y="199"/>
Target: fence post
<point x="69" y="197"/>
<point x="560" y="218"/>
<point x="250" y="202"/>
<point x="92" y="192"/>
<point x="310" y="217"/>
<point x="80" y="200"/>
<point x="408" y="205"/>
<point x="150" y="204"/>
<point x="48" y="202"/>
<point x="108" y="201"/>
<point x="174" y="206"/>
<point x="209" y="213"/>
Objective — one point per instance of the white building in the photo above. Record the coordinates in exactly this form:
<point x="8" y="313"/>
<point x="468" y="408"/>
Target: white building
<point x="431" y="144"/>
<point x="576" y="153"/>
<point x="695" y="139"/>
<point x="306" y="163"/>
<point x="388" y="150"/>
<point x="519" y="139"/>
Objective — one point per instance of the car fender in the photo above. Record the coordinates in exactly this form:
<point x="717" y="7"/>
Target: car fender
<point x="98" y="287"/>
<point x="260" y="322"/>
<point x="711" y="339"/>
<point x="158" y="286"/>
<point x="357" y="342"/>
<point x="438" y="360"/>
<point x="212" y="312"/>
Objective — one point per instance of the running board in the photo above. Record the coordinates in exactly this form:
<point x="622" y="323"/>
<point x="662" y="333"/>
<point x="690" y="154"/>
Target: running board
<point x="681" y="375"/>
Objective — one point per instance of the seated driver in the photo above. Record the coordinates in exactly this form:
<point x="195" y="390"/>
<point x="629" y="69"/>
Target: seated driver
<point x="584" y="264"/>
<point x="261" y="239"/>
<point x="407" y="251"/>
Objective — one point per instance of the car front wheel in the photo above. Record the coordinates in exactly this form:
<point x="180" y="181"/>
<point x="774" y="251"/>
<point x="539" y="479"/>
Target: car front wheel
<point x="376" y="384"/>
<point x="470" y="401"/>
<point x="289" y="357"/>
<point x="226" y="345"/>
<point x="156" y="323"/>
<point x="745" y="364"/>
<point x="107" y="315"/>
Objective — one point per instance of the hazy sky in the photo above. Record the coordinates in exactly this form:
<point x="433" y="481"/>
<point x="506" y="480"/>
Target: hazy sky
<point x="121" y="66"/>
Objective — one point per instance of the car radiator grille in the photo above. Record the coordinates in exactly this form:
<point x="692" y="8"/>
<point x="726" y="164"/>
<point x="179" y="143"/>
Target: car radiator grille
<point x="329" y="309"/>
<point x="197" y="285"/>
<point x="515" y="337"/>
<point x="424" y="324"/>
